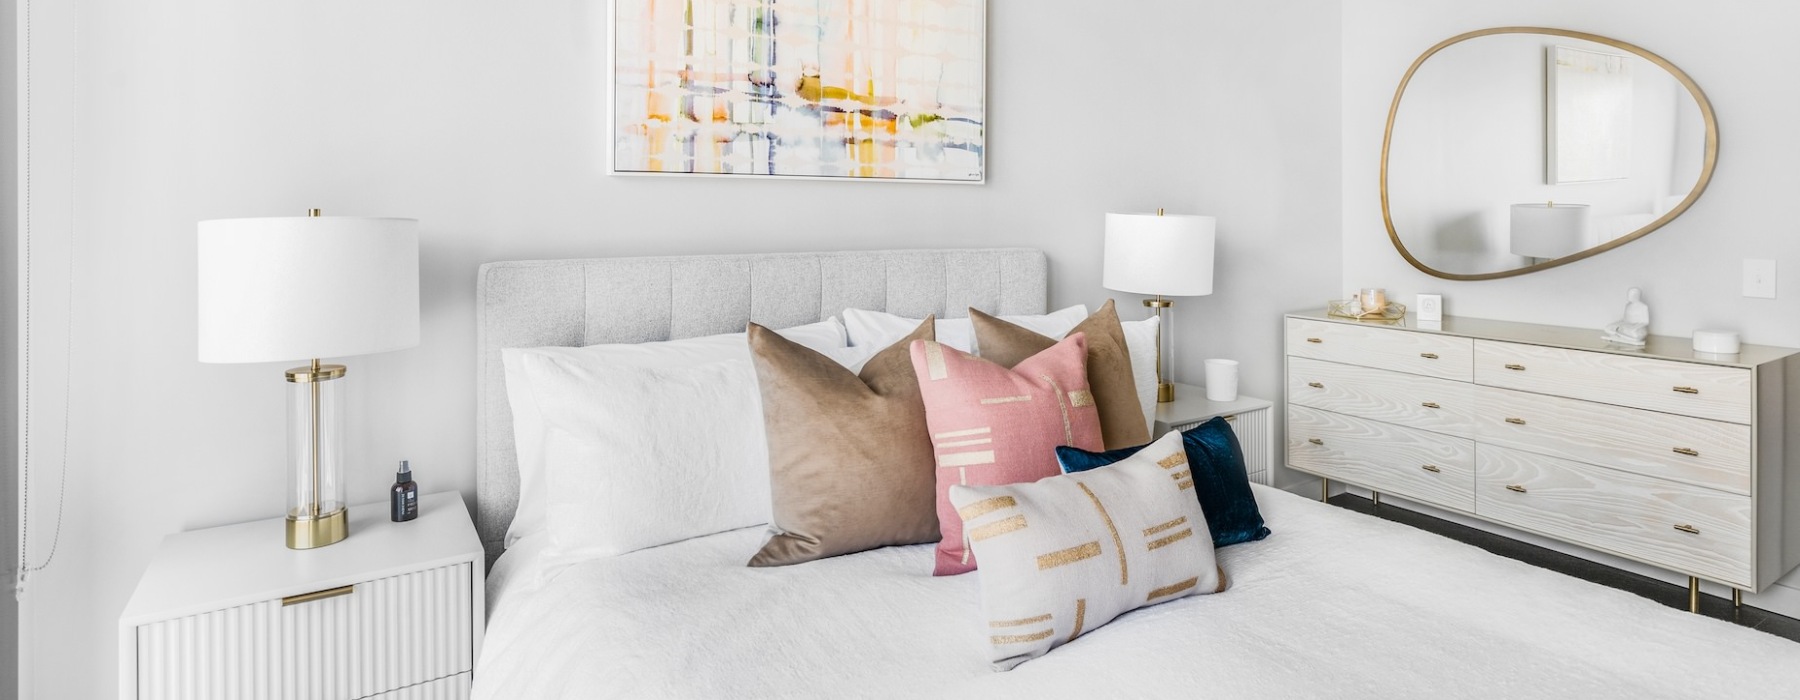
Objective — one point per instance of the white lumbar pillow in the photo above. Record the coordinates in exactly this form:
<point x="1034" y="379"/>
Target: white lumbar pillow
<point x="881" y="329"/>
<point x="529" y="430"/>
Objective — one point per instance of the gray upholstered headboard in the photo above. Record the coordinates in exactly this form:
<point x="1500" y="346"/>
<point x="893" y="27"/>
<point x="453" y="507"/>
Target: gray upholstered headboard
<point x="632" y="300"/>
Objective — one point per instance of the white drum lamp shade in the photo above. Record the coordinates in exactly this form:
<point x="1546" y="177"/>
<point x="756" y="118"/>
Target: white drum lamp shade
<point x="302" y="289"/>
<point x="1549" y="230"/>
<point x="297" y="288"/>
<point x="1168" y="255"/>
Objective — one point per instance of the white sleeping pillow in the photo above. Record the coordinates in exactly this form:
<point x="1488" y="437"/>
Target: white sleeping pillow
<point x="643" y="456"/>
<point x="881" y="329"/>
<point x="1140" y="343"/>
<point x="528" y="422"/>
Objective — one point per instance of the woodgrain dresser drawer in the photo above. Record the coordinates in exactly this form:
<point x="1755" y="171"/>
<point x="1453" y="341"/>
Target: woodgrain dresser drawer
<point x="1658" y="454"/>
<point x="1684" y="388"/>
<point x="1437" y="405"/>
<point x="1656" y="521"/>
<point x="1694" y="451"/>
<point x="1446" y="357"/>
<point x="1432" y="468"/>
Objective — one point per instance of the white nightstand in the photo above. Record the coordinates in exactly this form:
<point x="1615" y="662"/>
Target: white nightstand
<point x="394" y="611"/>
<point x="1250" y="419"/>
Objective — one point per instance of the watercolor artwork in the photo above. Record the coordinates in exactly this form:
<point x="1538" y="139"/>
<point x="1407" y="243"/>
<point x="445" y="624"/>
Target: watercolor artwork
<point x="860" y="89"/>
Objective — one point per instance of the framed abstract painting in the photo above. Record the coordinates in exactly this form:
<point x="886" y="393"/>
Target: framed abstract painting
<point x="884" y="90"/>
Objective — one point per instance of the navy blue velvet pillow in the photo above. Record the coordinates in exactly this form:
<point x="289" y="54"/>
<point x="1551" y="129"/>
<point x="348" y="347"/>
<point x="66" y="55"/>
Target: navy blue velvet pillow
<point x="1220" y="481"/>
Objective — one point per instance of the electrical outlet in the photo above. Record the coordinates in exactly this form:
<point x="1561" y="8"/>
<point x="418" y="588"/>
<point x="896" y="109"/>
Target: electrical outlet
<point x="1759" y="279"/>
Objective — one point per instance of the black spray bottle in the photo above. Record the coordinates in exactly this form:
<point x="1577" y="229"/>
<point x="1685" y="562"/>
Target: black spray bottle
<point x="405" y="496"/>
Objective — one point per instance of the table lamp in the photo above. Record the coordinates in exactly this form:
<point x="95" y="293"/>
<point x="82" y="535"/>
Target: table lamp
<point x="1549" y="230"/>
<point x="301" y="289"/>
<point x="1163" y="256"/>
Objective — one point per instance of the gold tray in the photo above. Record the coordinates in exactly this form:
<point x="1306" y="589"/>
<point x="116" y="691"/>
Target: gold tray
<point x="1350" y="308"/>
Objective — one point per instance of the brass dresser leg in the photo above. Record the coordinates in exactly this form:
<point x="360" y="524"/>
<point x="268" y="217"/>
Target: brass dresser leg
<point x="1377" y="498"/>
<point x="1737" y="597"/>
<point x="1693" y="594"/>
<point x="1324" y="490"/>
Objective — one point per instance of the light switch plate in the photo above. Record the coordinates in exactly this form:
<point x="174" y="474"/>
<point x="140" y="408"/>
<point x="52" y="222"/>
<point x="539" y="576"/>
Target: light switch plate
<point x="1759" y="279"/>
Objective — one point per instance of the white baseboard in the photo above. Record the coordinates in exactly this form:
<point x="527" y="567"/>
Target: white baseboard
<point x="1783" y="598"/>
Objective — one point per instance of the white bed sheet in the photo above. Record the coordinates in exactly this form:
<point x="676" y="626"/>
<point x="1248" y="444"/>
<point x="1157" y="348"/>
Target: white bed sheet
<point x="1334" y="604"/>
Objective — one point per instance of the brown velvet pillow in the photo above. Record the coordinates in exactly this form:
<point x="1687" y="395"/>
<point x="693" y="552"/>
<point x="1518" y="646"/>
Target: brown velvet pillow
<point x="851" y="465"/>
<point x="1108" y="367"/>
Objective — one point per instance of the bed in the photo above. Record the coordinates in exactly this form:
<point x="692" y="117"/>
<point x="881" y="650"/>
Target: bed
<point x="1334" y="603"/>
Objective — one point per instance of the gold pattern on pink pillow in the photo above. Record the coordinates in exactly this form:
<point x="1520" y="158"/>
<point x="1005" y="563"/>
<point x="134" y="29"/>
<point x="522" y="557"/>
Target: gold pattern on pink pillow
<point x="991" y="425"/>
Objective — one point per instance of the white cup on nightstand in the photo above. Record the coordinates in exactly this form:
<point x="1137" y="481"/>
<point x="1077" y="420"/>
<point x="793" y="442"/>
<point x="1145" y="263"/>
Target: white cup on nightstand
<point x="1221" y="380"/>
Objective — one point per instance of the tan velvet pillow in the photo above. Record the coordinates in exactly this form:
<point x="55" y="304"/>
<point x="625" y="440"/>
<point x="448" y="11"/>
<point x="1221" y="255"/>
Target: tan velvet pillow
<point x="1108" y="367"/>
<point x="851" y="465"/>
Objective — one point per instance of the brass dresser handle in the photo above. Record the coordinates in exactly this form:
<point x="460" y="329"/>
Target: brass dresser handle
<point x="1516" y="368"/>
<point x="1516" y="421"/>
<point x="1315" y="385"/>
<point x="1428" y="355"/>
<point x="1431" y="468"/>
<point x="1689" y="451"/>
<point x="1689" y="529"/>
<point x="318" y="595"/>
<point x="1686" y="390"/>
<point x="1515" y="487"/>
<point x="1314" y="340"/>
<point x="1315" y="441"/>
<point x="1431" y="404"/>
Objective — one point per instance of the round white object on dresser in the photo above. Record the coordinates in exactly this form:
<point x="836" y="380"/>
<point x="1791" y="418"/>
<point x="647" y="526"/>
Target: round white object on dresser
<point x="1719" y="342"/>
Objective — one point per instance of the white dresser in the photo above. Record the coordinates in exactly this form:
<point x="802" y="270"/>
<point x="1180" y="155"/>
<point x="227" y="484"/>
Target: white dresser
<point x="394" y="612"/>
<point x="1655" y="454"/>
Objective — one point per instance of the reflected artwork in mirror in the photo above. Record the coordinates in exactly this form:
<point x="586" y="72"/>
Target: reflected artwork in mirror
<point x="1516" y="149"/>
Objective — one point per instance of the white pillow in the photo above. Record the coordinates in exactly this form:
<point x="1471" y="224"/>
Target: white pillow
<point x="643" y="456"/>
<point x="881" y="329"/>
<point x="528" y="423"/>
<point x="1140" y="343"/>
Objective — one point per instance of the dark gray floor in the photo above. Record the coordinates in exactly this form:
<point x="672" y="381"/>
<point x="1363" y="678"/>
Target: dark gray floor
<point x="1668" y="594"/>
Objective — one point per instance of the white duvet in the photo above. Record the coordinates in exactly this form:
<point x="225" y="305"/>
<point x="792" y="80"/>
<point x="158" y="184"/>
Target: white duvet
<point x="1333" y="604"/>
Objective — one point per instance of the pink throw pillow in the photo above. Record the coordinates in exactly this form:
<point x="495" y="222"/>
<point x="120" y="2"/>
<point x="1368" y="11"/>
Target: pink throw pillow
<point x="992" y="426"/>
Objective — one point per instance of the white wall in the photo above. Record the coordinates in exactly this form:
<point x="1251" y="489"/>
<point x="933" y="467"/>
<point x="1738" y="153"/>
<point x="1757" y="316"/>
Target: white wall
<point x="484" y="120"/>
<point x="1690" y="270"/>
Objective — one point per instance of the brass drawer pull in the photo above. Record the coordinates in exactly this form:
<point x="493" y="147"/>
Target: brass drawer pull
<point x="1315" y="340"/>
<point x="1431" y="404"/>
<point x="1689" y="529"/>
<point x="1689" y="451"/>
<point x="1315" y="385"/>
<point x="1516" y="368"/>
<point x="1686" y="390"/>
<point x="318" y="595"/>
<point x="1428" y="355"/>
<point x="1315" y="441"/>
<point x="1515" y="487"/>
<point x="1516" y="421"/>
<point x="1431" y="468"/>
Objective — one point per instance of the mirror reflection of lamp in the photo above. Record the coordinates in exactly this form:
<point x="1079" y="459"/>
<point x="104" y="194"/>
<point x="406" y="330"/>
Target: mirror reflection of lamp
<point x="1549" y="230"/>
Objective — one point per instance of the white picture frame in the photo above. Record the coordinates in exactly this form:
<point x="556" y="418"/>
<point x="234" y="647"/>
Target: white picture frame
<point x="1588" y="114"/>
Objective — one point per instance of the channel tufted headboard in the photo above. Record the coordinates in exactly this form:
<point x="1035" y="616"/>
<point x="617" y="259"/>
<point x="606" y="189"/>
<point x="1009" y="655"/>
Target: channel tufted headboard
<point x="632" y="300"/>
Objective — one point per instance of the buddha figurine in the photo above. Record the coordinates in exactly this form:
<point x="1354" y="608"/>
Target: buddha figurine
<point x="1634" y="327"/>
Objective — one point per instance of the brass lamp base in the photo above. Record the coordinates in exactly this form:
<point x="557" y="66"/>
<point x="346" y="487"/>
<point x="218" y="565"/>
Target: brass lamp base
<point x="307" y="533"/>
<point x="1165" y="392"/>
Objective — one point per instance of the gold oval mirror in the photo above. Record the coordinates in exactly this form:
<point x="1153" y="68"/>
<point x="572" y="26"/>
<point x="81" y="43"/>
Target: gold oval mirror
<point x="1523" y="148"/>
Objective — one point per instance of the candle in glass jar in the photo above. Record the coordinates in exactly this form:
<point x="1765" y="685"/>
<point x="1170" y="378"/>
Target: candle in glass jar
<point x="1373" y="300"/>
